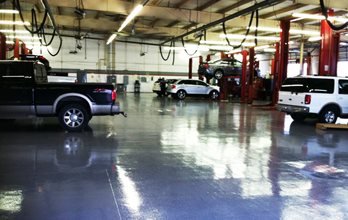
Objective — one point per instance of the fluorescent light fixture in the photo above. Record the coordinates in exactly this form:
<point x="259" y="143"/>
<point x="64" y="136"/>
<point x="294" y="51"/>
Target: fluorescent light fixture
<point x="239" y="36"/>
<point x="245" y="44"/>
<point x="26" y="43"/>
<point x="291" y="31"/>
<point x="314" y="38"/>
<point x="111" y="38"/>
<point x="268" y="29"/>
<point x="16" y="31"/>
<point x="6" y="22"/>
<point x="261" y="47"/>
<point x="189" y="48"/>
<point x="319" y="17"/>
<point x="272" y="50"/>
<point x="304" y="32"/>
<point x="131" y="16"/>
<point x="24" y="37"/>
<point x="343" y="43"/>
<point x="8" y="11"/>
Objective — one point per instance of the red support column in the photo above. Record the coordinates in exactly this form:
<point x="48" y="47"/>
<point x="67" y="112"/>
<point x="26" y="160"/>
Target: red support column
<point x="275" y="75"/>
<point x="24" y="49"/>
<point x="200" y="62"/>
<point x="284" y="51"/>
<point x="16" y="49"/>
<point x="2" y="47"/>
<point x="329" y="47"/>
<point x="208" y="57"/>
<point x="190" y="68"/>
<point x="244" y="82"/>
<point x="251" y="75"/>
<point x="309" y="64"/>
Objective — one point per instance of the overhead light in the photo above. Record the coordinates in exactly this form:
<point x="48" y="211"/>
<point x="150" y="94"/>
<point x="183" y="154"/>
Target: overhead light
<point x="304" y="32"/>
<point x="314" y="39"/>
<point x="268" y="29"/>
<point x="14" y="31"/>
<point x="111" y="38"/>
<point x="261" y="47"/>
<point x="233" y="43"/>
<point x="188" y="47"/>
<point x="272" y="50"/>
<point x="129" y="18"/>
<point x="6" y="22"/>
<point x="26" y="43"/>
<point x="24" y="37"/>
<point x="319" y="17"/>
<point x="239" y="36"/>
<point x="291" y="31"/>
<point x="343" y="43"/>
<point x="8" y="11"/>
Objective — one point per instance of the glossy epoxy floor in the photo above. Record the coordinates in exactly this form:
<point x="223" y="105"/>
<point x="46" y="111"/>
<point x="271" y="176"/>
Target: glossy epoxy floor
<point x="191" y="159"/>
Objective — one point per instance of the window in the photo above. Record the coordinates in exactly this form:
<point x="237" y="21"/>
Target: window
<point x="343" y="86"/>
<point x="200" y="83"/>
<point x="18" y="72"/>
<point x="309" y="85"/>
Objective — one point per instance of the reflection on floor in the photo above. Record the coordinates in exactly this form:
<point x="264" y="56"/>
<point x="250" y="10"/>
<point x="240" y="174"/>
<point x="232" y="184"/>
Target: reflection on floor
<point x="192" y="159"/>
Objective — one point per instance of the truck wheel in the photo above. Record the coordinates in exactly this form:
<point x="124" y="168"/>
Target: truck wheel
<point x="73" y="117"/>
<point x="218" y="74"/>
<point x="328" y="115"/>
<point x="298" y="117"/>
<point x="181" y="94"/>
<point x="214" y="94"/>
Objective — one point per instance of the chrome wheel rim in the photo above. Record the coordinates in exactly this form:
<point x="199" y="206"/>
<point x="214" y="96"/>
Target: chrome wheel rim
<point x="73" y="117"/>
<point x="214" y="95"/>
<point x="218" y="75"/>
<point x="181" y="94"/>
<point x="330" y="117"/>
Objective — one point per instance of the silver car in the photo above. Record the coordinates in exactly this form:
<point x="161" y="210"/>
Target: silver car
<point x="191" y="87"/>
<point x="220" y="68"/>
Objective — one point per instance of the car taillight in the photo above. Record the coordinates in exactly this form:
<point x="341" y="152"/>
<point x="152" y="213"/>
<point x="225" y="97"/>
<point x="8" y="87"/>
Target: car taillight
<point x="173" y="86"/>
<point x="308" y="99"/>
<point x="113" y="95"/>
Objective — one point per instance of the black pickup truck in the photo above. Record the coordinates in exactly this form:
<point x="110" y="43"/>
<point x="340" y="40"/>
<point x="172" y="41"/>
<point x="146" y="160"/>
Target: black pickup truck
<point x="25" y="92"/>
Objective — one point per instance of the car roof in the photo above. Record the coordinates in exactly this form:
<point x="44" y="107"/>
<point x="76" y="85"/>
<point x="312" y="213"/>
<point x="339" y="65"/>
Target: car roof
<point x="319" y="77"/>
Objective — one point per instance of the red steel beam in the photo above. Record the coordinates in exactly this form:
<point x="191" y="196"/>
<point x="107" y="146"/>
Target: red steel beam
<point x="2" y="47"/>
<point x="190" y="68"/>
<point x="244" y="86"/>
<point x="329" y="48"/>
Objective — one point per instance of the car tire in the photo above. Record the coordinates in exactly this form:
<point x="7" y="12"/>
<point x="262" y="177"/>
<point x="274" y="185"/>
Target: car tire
<point x="329" y="115"/>
<point x="218" y="74"/>
<point x="214" y="94"/>
<point x="298" y="117"/>
<point x="73" y="117"/>
<point x="181" y="94"/>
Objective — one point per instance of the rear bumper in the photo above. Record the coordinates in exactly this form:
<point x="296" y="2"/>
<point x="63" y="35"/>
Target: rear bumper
<point x="292" y="108"/>
<point x="113" y="109"/>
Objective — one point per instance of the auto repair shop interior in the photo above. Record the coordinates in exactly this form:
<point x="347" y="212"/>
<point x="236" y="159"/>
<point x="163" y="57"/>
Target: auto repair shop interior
<point x="211" y="131"/>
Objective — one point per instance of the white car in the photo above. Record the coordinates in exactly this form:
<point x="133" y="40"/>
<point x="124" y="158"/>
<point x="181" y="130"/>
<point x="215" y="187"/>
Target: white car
<point x="325" y="97"/>
<point x="191" y="87"/>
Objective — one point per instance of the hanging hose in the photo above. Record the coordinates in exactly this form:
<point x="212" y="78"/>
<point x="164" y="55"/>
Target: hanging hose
<point x="183" y="44"/>
<point x="246" y="34"/>
<point x="332" y="26"/>
<point x="39" y="29"/>
<point x="170" y="51"/>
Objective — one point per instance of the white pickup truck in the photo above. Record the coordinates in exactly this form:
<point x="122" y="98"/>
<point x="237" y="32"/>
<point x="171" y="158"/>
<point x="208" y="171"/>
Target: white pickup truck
<point x="325" y="97"/>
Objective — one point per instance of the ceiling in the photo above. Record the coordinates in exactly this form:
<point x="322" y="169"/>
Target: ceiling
<point x="164" y="19"/>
